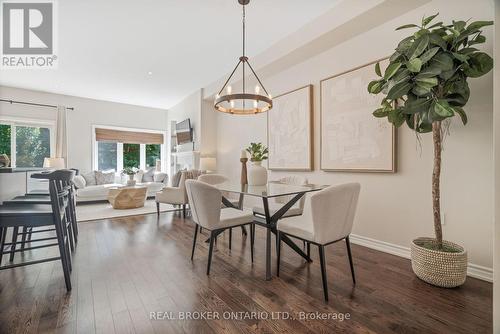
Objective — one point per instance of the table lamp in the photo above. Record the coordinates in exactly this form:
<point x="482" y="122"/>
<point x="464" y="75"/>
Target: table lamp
<point x="54" y="163"/>
<point x="208" y="164"/>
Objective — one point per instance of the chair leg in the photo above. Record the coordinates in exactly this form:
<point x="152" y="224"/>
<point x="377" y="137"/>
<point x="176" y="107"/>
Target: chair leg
<point x="278" y="253"/>
<point x="230" y="237"/>
<point x="184" y="211"/>
<point x="252" y="239"/>
<point x="158" y="209"/>
<point x="194" y="240"/>
<point x="23" y="238"/>
<point x="14" y="243"/>
<point x="70" y="236"/>
<point x="348" y="244"/>
<point x="3" y="234"/>
<point x="210" y="251"/>
<point x="64" y="257"/>
<point x="308" y="247"/>
<point x="323" y="270"/>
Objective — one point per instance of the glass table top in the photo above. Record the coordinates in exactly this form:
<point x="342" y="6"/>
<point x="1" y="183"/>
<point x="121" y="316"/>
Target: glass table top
<point x="271" y="189"/>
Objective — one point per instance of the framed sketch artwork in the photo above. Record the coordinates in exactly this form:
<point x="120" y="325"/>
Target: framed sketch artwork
<point x="289" y="131"/>
<point x="352" y="139"/>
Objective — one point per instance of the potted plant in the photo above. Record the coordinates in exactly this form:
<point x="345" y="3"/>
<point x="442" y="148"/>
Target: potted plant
<point x="130" y="171"/>
<point x="425" y="85"/>
<point x="257" y="174"/>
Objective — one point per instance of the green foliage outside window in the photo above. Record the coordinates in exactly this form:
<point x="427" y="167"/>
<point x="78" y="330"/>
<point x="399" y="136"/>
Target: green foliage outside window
<point x="5" y="133"/>
<point x="131" y="155"/>
<point x="32" y="146"/>
<point x="153" y="152"/>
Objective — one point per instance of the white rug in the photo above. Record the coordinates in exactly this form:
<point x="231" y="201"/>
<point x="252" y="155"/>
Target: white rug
<point x="86" y="212"/>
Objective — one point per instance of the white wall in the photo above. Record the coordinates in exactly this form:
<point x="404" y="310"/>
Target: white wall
<point x="190" y="108"/>
<point x="396" y="208"/>
<point x="87" y="112"/>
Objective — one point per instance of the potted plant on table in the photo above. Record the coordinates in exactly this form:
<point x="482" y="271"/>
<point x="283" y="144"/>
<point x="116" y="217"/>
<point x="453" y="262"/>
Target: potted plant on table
<point x="425" y="85"/>
<point x="130" y="171"/>
<point x="257" y="174"/>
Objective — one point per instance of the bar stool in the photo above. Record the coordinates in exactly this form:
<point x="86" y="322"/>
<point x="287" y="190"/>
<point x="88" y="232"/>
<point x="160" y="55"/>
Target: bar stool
<point x="41" y="215"/>
<point x="30" y="199"/>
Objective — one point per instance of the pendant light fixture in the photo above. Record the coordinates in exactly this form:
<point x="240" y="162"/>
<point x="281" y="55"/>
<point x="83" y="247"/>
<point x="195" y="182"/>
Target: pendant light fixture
<point x="243" y="103"/>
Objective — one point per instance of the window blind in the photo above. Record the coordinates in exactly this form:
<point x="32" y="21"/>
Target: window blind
<point x="130" y="137"/>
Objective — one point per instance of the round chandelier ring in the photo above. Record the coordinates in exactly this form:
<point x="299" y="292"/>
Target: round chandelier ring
<point x="243" y="96"/>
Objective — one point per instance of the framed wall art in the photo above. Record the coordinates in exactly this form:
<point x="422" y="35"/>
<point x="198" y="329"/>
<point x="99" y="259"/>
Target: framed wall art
<point x="289" y="131"/>
<point x="352" y="139"/>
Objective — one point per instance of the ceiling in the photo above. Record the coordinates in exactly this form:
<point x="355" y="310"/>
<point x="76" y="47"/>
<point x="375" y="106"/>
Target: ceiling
<point x="156" y="52"/>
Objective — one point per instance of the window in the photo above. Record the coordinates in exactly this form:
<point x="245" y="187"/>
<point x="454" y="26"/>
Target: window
<point x="112" y="151"/>
<point x="27" y="145"/>
<point x="107" y="157"/>
<point x="153" y="153"/>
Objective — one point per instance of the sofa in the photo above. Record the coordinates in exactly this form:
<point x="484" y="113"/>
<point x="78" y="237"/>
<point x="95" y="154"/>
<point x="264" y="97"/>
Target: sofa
<point x="94" y="186"/>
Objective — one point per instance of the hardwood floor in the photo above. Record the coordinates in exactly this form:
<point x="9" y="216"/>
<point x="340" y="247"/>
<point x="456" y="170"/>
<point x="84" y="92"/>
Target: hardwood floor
<point x="125" y="268"/>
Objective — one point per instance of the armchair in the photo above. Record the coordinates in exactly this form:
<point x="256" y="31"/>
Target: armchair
<point x="176" y="195"/>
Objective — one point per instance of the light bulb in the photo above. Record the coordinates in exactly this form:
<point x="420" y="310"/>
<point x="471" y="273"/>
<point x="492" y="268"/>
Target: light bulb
<point x="232" y="104"/>
<point x="255" y="104"/>
<point x="217" y="96"/>
<point x="229" y="89"/>
<point x="257" y="89"/>
<point x="269" y="95"/>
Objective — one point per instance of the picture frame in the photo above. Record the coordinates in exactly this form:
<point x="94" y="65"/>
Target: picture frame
<point x="290" y="131"/>
<point x="351" y="138"/>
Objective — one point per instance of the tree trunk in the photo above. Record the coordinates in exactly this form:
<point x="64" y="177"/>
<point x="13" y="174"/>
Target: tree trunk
<point x="436" y="173"/>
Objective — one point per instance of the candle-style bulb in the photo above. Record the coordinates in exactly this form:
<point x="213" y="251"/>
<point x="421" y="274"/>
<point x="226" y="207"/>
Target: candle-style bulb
<point x="229" y="89"/>
<point x="257" y="89"/>
<point x="232" y="103"/>
<point x="255" y="104"/>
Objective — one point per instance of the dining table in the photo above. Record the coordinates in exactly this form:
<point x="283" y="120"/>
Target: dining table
<point x="288" y="194"/>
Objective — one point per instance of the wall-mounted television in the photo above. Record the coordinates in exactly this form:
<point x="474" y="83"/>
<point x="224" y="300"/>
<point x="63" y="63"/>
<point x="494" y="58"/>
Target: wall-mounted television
<point x="184" y="132"/>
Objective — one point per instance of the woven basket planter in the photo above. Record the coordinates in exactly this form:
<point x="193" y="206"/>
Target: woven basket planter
<point x="444" y="269"/>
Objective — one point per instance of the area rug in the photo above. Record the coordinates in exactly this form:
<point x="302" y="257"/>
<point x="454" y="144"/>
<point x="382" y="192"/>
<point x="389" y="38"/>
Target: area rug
<point x="97" y="211"/>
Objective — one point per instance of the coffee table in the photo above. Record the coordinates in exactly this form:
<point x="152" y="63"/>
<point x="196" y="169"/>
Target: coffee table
<point x="127" y="197"/>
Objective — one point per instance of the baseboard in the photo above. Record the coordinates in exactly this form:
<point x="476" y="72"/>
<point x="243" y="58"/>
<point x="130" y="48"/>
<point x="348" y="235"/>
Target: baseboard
<point x="473" y="270"/>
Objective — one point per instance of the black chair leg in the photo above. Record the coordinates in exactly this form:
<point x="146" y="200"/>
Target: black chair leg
<point x="158" y="209"/>
<point x="348" y="244"/>
<point x="230" y="237"/>
<point x="278" y="253"/>
<point x="210" y="251"/>
<point x="184" y="211"/>
<point x="70" y="236"/>
<point x="3" y="234"/>
<point x="252" y="239"/>
<point x="64" y="256"/>
<point x="23" y="238"/>
<point x="308" y="247"/>
<point x="323" y="270"/>
<point x="14" y="243"/>
<point x="194" y="240"/>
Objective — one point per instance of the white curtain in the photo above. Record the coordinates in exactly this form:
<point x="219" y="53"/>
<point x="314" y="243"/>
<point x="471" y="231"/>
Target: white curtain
<point x="61" y="135"/>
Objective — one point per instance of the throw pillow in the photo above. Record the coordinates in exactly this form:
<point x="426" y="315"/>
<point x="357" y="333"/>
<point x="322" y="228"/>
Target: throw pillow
<point x="160" y="177"/>
<point x="138" y="176"/>
<point x="79" y="182"/>
<point x="89" y="178"/>
<point x="149" y="175"/>
<point x="176" y="179"/>
<point x="104" y="177"/>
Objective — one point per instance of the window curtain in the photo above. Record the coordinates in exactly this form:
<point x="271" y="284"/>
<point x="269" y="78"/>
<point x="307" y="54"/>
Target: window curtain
<point x="61" y="135"/>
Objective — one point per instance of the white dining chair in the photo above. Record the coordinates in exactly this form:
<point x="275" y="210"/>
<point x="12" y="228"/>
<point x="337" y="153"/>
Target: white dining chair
<point x="204" y="201"/>
<point x="329" y="220"/>
<point x="295" y="210"/>
<point x="215" y="179"/>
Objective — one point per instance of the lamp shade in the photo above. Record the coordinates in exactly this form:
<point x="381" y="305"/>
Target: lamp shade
<point x="208" y="164"/>
<point x="54" y="163"/>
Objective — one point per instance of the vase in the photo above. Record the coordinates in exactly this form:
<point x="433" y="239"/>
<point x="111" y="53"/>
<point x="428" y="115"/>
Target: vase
<point x="4" y="160"/>
<point x="131" y="181"/>
<point x="444" y="269"/>
<point x="257" y="175"/>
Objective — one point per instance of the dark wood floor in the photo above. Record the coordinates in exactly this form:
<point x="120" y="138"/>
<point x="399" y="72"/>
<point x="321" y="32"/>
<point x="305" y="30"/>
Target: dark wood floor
<point x="126" y="268"/>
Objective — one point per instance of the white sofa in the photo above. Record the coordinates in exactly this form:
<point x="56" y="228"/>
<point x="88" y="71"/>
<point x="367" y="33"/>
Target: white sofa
<point x="99" y="192"/>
